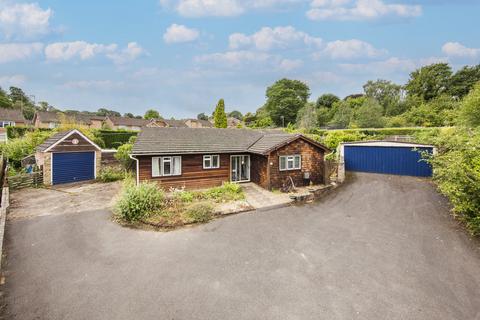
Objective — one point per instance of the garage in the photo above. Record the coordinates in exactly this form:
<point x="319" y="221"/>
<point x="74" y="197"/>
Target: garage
<point x="68" y="157"/>
<point x="397" y="158"/>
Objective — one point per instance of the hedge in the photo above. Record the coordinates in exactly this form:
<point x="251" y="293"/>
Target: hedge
<point x="18" y="132"/>
<point x="377" y="132"/>
<point x="114" y="139"/>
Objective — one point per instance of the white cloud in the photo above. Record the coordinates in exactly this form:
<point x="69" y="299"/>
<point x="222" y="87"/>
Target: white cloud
<point x="13" y="80"/>
<point x="199" y="8"/>
<point x="179" y="33"/>
<point x="272" y="38"/>
<point x="456" y="49"/>
<point x="19" y="51"/>
<point x="128" y="54"/>
<point x="234" y="58"/>
<point x="63" y="51"/>
<point x="222" y="8"/>
<point x="360" y="10"/>
<point x="389" y="66"/>
<point x="350" y="49"/>
<point x="290" y="64"/>
<point x="76" y="49"/>
<point x="24" y="20"/>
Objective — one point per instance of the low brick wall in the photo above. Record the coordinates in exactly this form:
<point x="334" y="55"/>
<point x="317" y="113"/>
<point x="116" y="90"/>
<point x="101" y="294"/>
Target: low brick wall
<point x="25" y="180"/>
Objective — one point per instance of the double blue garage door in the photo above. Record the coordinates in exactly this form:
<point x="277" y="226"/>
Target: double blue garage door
<point x="406" y="161"/>
<point x="73" y="167"/>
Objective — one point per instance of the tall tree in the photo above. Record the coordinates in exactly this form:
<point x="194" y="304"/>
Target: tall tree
<point x="369" y="115"/>
<point x="284" y="98"/>
<point x="151" y="114"/>
<point x="387" y="93"/>
<point x="470" y="108"/>
<point x="219" y="115"/>
<point x="236" y="114"/>
<point x="202" y="116"/>
<point x="5" y="101"/>
<point x="128" y="115"/>
<point x="463" y="81"/>
<point x="430" y="81"/>
<point x="326" y="100"/>
<point x="106" y="112"/>
<point x="307" y="116"/>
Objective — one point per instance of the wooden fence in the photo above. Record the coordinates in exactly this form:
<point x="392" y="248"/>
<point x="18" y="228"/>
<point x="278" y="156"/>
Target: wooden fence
<point x="331" y="171"/>
<point x="26" y="180"/>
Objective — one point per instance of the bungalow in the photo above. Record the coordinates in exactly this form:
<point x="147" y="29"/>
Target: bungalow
<point x="124" y="123"/>
<point x="200" y="158"/>
<point x="51" y="119"/>
<point x="12" y="117"/>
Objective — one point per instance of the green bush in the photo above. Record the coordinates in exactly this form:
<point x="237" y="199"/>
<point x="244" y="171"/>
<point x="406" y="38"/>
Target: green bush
<point x="183" y="196"/>
<point x="456" y="171"/>
<point x="110" y="174"/>
<point x="17" y="149"/>
<point x="123" y="156"/>
<point x="227" y="192"/>
<point x="333" y="138"/>
<point x="198" y="212"/>
<point x="137" y="202"/>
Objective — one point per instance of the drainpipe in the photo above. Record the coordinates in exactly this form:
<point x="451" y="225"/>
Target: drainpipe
<point x="137" y="166"/>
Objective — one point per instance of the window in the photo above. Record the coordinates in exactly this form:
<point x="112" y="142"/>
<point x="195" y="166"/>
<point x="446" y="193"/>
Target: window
<point x="290" y="162"/>
<point x="4" y="124"/>
<point x="211" y="162"/>
<point x="52" y="125"/>
<point x="166" y="166"/>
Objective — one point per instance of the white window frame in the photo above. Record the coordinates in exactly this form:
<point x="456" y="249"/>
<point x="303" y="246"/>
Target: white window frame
<point x="290" y="159"/>
<point x="7" y="123"/>
<point x="159" y="161"/>
<point x="210" y="158"/>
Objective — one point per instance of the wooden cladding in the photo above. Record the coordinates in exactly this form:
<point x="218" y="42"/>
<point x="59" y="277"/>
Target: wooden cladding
<point x="264" y="170"/>
<point x="67" y="145"/>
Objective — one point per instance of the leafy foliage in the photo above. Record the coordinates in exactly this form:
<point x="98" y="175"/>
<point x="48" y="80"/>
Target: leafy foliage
<point x="326" y="101"/>
<point x="151" y="114"/>
<point x="123" y="155"/>
<point x="284" y="99"/>
<point x="456" y="170"/>
<point x="137" y="202"/>
<point x="369" y="115"/>
<point x="470" y="108"/>
<point x="110" y="174"/>
<point x="219" y="116"/>
<point x="202" y="116"/>
<point x="236" y="114"/>
<point x="114" y="138"/>
<point x="198" y="213"/>
<point x="430" y="81"/>
<point x="17" y="149"/>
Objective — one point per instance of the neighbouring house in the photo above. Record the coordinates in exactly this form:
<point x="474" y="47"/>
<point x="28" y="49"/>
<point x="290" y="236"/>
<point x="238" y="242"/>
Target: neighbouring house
<point x="200" y="158"/>
<point x="10" y="118"/>
<point x="51" y="119"/>
<point x="198" y="123"/>
<point x="233" y="122"/>
<point x="124" y="123"/>
<point x="67" y="157"/>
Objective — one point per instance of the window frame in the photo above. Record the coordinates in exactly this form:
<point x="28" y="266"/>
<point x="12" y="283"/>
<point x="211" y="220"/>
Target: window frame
<point x="290" y="159"/>
<point x="160" y="162"/>
<point x="209" y="157"/>
<point x="7" y="123"/>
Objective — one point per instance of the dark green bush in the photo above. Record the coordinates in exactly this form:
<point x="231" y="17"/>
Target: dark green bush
<point x="137" y="202"/>
<point x="114" y="139"/>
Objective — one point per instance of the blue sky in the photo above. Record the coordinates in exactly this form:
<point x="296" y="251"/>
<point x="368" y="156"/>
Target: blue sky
<point x="181" y="56"/>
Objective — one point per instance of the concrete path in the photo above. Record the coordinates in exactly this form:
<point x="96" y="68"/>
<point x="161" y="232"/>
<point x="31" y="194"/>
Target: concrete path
<point x="260" y="198"/>
<point x="380" y="247"/>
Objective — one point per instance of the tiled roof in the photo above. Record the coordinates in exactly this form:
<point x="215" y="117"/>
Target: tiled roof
<point x="12" y="115"/>
<point x="124" y="121"/>
<point x="176" y="123"/>
<point x="208" y="140"/>
<point x="44" y="146"/>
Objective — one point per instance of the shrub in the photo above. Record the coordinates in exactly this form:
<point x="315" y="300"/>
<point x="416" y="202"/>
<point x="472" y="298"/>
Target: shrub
<point x="183" y="196"/>
<point x="137" y="202"/>
<point x="123" y="156"/>
<point x="227" y="192"/>
<point x="110" y="174"/>
<point x="17" y="149"/>
<point x="198" y="212"/>
<point x="334" y="138"/>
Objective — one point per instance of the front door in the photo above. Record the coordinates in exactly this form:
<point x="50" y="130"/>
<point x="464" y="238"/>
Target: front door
<point x="240" y="166"/>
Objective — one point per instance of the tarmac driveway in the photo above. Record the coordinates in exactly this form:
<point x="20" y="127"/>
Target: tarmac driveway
<point x="380" y="247"/>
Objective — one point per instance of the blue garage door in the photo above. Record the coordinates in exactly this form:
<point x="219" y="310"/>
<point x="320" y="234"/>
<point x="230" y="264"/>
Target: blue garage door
<point x="405" y="161"/>
<point x="73" y="167"/>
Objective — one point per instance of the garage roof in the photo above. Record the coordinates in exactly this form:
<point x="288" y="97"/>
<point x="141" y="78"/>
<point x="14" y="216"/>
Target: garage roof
<point x="59" y="137"/>
<point x="381" y="143"/>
